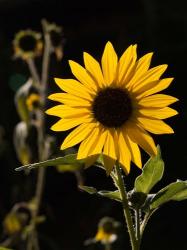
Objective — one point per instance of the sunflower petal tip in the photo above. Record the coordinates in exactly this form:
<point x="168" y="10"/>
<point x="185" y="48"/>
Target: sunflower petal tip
<point x="71" y="62"/>
<point x="47" y="112"/>
<point x="56" y="79"/>
<point x="63" y="146"/>
<point x="50" y="97"/>
<point x="109" y="44"/>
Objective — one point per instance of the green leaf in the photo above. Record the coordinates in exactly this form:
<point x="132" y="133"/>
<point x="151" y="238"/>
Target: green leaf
<point x="152" y="173"/>
<point x="175" y="191"/>
<point x="65" y="160"/>
<point x="4" y="248"/>
<point x="90" y="190"/>
<point x="113" y="195"/>
<point x="69" y="167"/>
<point x="20" y="100"/>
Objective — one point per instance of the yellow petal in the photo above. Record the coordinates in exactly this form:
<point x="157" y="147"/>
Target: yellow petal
<point x="126" y="65"/>
<point x="82" y="75"/>
<point x="94" y="69"/>
<point x="110" y="147"/>
<point x="134" y="150"/>
<point x="93" y="144"/>
<point x="124" y="153"/>
<point x="142" y="66"/>
<point x="150" y="88"/>
<point x="56" y="110"/>
<point x="162" y="113"/>
<point x="65" y="111"/>
<point x="70" y="100"/>
<point x="73" y="87"/>
<point x="157" y="101"/>
<point x="155" y="126"/>
<point x="108" y="164"/>
<point x="77" y="135"/>
<point x="109" y="63"/>
<point x="151" y="75"/>
<point x="142" y="138"/>
<point x="65" y="124"/>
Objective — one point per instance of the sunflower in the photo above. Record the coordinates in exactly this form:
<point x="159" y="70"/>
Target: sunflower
<point x="33" y="101"/>
<point x="113" y="108"/>
<point x="27" y="44"/>
<point x="107" y="230"/>
<point x="57" y="39"/>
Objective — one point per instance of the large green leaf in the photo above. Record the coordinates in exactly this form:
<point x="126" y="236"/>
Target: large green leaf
<point x="113" y="195"/>
<point x="175" y="191"/>
<point x="152" y="173"/>
<point x="65" y="160"/>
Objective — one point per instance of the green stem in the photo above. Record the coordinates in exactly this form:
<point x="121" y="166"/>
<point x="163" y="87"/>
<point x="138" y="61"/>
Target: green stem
<point x="137" y="225"/>
<point x="144" y="223"/>
<point x="126" y="209"/>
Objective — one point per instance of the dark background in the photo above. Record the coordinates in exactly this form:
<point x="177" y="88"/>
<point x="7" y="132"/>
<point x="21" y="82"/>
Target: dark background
<point x="72" y="216"/>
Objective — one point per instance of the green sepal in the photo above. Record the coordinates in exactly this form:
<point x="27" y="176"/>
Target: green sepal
<point x="70" y="159"/>
<point x="152" y="173"/>
<point x="113" y="195"/>
<point x="175" y="191"/>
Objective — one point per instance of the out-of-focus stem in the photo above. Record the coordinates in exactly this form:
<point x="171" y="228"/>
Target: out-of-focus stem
<point x="108" y="246"/>
<point x="33" y="71"/>
<point x="46" y="59"/>
<point x="33" y="242"/>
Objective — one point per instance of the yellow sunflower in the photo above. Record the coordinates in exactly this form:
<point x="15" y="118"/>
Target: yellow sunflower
<point x="113" y="108"/>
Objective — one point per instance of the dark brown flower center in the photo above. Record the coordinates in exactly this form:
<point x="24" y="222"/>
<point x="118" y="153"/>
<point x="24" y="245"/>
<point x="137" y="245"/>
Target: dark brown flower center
<point x="112" y="107"/>
<point x="27" y="43"/>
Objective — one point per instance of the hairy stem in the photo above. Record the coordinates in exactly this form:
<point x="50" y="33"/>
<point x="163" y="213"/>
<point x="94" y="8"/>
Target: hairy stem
<point x="144" y="223"/>
<point x="126" y="209"/>
<point x="137" y="225"/>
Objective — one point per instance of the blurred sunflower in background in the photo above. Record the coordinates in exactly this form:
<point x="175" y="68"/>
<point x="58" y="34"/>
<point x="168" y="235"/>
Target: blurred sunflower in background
<point x="57" y="39"/>
<point x="27" y="44"/>
<point x="33" y="101"/>
<point x="113" y="107"/>
<point x="107" y="230"/>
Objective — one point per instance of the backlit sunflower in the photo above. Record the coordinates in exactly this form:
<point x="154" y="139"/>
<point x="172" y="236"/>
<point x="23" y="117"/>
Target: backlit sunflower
<point x="27" y="44"/>
<point x="113" y="107"/>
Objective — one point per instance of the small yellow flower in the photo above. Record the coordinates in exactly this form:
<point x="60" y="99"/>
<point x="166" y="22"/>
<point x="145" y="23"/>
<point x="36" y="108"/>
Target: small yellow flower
<point x="106" y="232"/>
<point x="112" y="107"/>
<point x="12" y="224"/>
<point x="32" y="101"/>
<point x="27" y="44"/>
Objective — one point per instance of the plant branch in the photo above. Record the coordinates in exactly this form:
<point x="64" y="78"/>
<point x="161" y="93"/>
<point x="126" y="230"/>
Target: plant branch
<point x="126" y="209"/>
